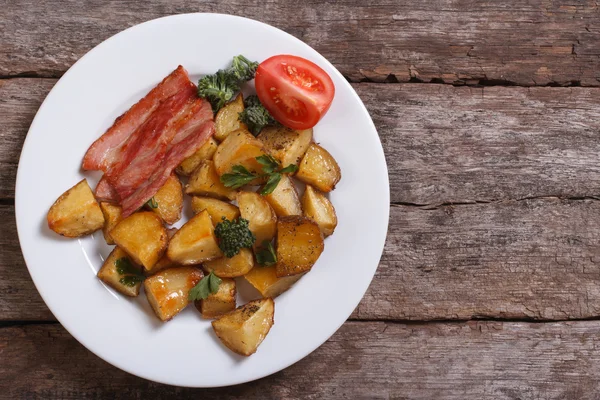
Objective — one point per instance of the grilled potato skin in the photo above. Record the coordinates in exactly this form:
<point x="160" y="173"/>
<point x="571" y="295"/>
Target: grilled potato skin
<point x="286" y="145"/>
<point x="76" y="212"/>
<point x="237" y="265"/>
<point x="220" y="303"/>
<point x="109" y="275"/>
<point x="112" y="216"/>
<point x="265" y="280"/>
<point x="318" y="208"/>
<point x="262" y="219"/>
<point x="206" y="152"/>
<point x="284" y="199"/>
<point x="206" y="182"/>
<point x="319" y="169"/>
<point x="169" y="200"/>
<point x="167" y="291"/>
<point x="217" y="209"/>
<point x="194" y="242"/>
<point x="299" y="245"/>
<point x="227" y="120"/>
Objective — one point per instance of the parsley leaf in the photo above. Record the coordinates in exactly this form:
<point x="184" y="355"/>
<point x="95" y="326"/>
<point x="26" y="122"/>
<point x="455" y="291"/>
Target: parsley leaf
<point x="265" y="254"/>
<point x="271" y="170"/>
<point x="271" y="184"/>
<point x="131" y="275"/>
<point x="238" y="178"/>
<point x="290" y="169"/>
<point x="269" y="163"/>
<point x="207" y="286"/>
<point x="152" y="203"/>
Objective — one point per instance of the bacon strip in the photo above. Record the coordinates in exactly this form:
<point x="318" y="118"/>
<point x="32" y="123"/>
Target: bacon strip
<point x="105" y="192"/>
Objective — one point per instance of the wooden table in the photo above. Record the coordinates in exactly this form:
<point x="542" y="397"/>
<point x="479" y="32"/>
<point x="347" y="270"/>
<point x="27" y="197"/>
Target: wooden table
<point x="488" y="111"/>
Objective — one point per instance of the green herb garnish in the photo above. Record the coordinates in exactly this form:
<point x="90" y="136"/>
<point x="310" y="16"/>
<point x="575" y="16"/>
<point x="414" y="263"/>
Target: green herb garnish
<point x="207" y="285"/>
<point x="255" y="115"/>
<point x="152" y="203"/>
<point x="239" y="177"/>
<point x="265" y="254"/>
<point x="233" y="236"/>
<point x="271" y="170"/>
<point x="131" y="274"/>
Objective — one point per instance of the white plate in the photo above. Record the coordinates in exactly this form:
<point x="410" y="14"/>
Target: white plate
<point x="124" y="332"/>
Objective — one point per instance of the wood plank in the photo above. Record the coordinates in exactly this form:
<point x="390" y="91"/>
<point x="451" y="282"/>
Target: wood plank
<point x="443" y="144"/>
<point x="534" y="42"/>
<point x="363" y="360"/>
<point x="531" y="259"/>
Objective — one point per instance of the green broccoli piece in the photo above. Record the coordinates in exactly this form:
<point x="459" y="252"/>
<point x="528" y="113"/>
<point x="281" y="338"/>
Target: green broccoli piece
<point x="233" y="236"/>
<point x="255" y="115"/>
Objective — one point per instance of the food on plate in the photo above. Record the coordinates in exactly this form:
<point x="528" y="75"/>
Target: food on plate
<point x="299" y="245"/>
<point x="112" y="216"/>
<point x="255" y="116"/>
<point x="286" y="145"/>
<point x="244" y="329"/>
<point x="194" y="242"/>
<point x="231" y="267"/>
<point x="168" y="201"/>
<point x="233" y="236"/>
<point x="227" y="121"/>
<point x="164" y="262"/>
<point x="284" y="198"/>
<point x="217" y="209"/>
<point x="261" y="217"/>
<point x="120" y="273"/>
<point x="76" y="212"/>
<point x="205" y="182"/>
<point x="142" y="236"/>
<point x="296" y="91"/>
<point x="206" y="152"/>
<point x="266" y="281"/>
<point x="219" y="303"/>
<point x="168" y="290"/>
<point x="239" y="148"/>
<point x="318" y="208"/>
<point x="319" y="168"/>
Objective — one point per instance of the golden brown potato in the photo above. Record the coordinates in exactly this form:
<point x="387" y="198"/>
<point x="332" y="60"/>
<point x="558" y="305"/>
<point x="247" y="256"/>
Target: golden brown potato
<point x="205" y="152"/>
<point x="284" y="199"/>
<point x="266" y="281"/>
<point x="318" y="208"/>
<point x="237" y="265"/>
<point x="217" y="209"/>
<point x="164" y="262"/>
<point x="142" y="236"/>
<point x="261" y="217"/>
<point x="227" y="120"/>
<point x="109" y="274"/>
<point x="169" y="200"/>
<point x="299" y="245"/>
<point x="319" y="168"/>
<point x="168" y="290"/>
<point x="286" y="145"/>
<point x="244" y="329"/>
<point x="239" y="148"/>
<point x="76" y="212"/>
<point x="194" y="242"/>
<point x="112" y="216"/>
<point x="217" y="304"/>
<point x="205" y="182"/>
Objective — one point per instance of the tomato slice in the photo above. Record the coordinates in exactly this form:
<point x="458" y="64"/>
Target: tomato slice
<point x="296" y="92"/>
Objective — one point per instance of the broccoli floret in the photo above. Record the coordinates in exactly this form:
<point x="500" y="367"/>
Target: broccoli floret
<point x="233" y="236"/>
<point x="255" y="115"/>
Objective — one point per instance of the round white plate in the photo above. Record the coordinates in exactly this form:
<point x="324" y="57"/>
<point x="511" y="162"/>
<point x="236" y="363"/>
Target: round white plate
<point x="124" y="332"/>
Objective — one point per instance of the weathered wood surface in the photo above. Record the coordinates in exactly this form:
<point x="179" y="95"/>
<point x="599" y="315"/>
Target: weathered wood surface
<point x="536" y="42"/>
<point x="363" y="360"/>
<point x="443" y="144"/>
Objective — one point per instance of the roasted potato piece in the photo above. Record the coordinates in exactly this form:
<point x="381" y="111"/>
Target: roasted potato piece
<point x="299" y="245"/>
<point x="318" y="208"/>
<point x="109" y="275"/>
<point x="284" y="199"/>
<point x="217" y="209"/>
<point x="142" y="236"/>
<point x="266" y="281"/>
<point x="237" y="265"/>
<point x="244" y="329"/>
<point x="164" y="262"/>
<point x="286" y="145"/>
<point x="169" y="200"/>
<point x="319" y="168"/>
<point x="168" y="290"/>
<point x="239" y="148"/>
<point x="227" y="121"/>
<point x="76" y="212"/>
<point x="112" y="216"/>
<point x="205" y="152"/>
<point x="261" y="217"/>
<point x="205" y="182"/>
<point x="194" y="242"/>
<point x="217" y="304"/>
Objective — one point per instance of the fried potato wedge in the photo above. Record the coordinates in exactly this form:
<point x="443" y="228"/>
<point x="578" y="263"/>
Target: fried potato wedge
<point x="217" y="209"/>
<point x="299" y="245"/>
<point x="217" y="304"/>
<point x="164" y="262"/>
<point x="206" y="182"/>
<point x="109" y="274"/>
<point x="239" y="148"/>
<point x="261" y="217"/>
<point x="194" y="242"/>
<point x="266" y="281"/>
<point x="284" y="199"/>
<point x="168" y="290"/>
<point x="237" y="265"/>
<point x="285" y="144"/>
<point x="205" y="152"/>
<point x="169" y="200"/>
<point x="244" y="329"/>
<point x="142" y="236"/>
<point x="319" y="168"/>
<point x="76" y="212"/>
<point x="112" y="216"/>
<point x="227" y="120"/>
<point x="318" y="208"/>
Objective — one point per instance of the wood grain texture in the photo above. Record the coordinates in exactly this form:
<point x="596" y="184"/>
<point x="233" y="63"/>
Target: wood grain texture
<point x="535" y="42"/>
<point x="363" y="360"/>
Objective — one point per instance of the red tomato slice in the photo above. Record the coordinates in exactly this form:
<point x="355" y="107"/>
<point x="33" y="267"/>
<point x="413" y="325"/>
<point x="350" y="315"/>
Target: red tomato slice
<point x="296" y="92"/>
